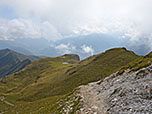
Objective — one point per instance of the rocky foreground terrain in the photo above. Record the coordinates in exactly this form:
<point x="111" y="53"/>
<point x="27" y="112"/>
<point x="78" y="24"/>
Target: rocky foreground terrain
<point x="128" y="93"/>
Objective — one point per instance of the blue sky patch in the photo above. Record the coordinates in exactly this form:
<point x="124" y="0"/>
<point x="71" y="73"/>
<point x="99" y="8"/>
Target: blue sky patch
<point x="7" y="12"/>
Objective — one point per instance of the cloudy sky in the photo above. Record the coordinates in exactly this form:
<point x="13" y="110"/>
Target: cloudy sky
<point x="58" y="19"/>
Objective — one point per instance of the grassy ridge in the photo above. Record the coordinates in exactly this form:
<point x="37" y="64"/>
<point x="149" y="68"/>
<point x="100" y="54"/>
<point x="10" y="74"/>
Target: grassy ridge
<point x="99" y="66"/>
<point x="50" y="79"/>
<point x="139" y="63"/>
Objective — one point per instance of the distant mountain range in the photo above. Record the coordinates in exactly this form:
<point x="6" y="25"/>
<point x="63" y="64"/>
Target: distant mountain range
<point x="26" y="46"/>
<point x="43" y="47"/>
<point x="11" y="61"/>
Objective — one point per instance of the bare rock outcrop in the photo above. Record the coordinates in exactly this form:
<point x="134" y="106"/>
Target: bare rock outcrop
<point x="129" y="93"/>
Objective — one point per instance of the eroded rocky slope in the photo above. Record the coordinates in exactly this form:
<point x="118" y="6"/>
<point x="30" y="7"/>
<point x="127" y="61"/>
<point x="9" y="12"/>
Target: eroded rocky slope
<point x="129" y="93"/>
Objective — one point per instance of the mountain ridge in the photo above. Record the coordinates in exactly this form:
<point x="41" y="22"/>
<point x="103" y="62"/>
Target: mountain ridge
<point x="11" y="61"/>
<point x="52" y="83"/>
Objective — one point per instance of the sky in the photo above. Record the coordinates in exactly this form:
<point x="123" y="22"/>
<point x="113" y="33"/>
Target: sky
<point x="59" y="19"/>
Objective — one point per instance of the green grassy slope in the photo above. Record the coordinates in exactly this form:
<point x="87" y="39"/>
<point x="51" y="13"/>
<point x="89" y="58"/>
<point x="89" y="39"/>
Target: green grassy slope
<point x="45" y="81"/>
<point x="99" y="66"/>
<point x="139" y="63"/>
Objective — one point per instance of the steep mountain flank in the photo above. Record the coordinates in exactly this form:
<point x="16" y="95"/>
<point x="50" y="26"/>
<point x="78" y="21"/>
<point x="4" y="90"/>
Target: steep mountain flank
<point x="11" y="61"/>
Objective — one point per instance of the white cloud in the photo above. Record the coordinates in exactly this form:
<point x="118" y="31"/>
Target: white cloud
<point x="17" y="28"/>
<point x="55" y="19"/>
<point x="69" y="48"/>
<point x="87" y="49"/>
<point x="49" y="31"/>
<point x="23" y="28"/>
<point x="65" y="48"/>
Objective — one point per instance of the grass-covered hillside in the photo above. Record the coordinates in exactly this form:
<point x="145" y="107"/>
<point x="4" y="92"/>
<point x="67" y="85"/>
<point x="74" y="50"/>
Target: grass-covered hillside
<point x="47" y="84"/>
<point x="139" y="63"/>
<point x="11" y="61"/>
